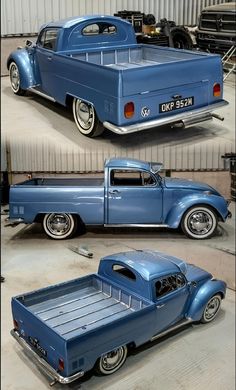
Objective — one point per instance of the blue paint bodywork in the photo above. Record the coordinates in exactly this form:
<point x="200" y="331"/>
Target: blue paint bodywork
<point x="163" y="203"/>
<point x="50" y="316"/>
<point x="152" y="77"/>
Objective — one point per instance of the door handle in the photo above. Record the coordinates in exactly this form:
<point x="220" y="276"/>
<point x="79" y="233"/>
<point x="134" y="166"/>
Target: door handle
<point x="114" y="192"/>
<point x="160" y="306"/>
<point x="49" y="58"/>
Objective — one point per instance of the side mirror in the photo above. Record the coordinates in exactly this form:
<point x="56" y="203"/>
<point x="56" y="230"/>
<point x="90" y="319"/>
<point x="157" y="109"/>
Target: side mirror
<point x="28" y="43"/>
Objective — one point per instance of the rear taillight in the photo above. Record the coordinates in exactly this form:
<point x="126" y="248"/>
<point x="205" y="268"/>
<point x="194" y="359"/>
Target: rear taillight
<point x="15" y="323"/>
<point x="61" y="365"/>
<point x="216" y="90"/>
<point x="129" y="110"/>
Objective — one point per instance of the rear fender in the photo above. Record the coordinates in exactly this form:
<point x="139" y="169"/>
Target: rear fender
<point x="205" y="292"/>
<point x="24" y="59"/>
<point x="217" y="203"/>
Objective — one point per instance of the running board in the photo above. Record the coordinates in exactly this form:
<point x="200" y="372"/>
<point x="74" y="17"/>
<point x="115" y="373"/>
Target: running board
<point x="136" y="225"/>
<point x="172" y="328"/>
<point x="42" y="94"/>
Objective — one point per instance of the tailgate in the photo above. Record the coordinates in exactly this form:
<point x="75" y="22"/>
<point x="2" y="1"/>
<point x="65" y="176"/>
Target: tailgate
<point x="43" y="340"/>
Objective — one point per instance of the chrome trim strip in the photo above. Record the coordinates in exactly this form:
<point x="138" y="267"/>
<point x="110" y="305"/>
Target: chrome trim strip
<point x="43" y="365"/>
<point x="166" y="120"/>
<point x="42" y="94"/>
<point x="142" y="225"/>
<point x="177" y="326"/>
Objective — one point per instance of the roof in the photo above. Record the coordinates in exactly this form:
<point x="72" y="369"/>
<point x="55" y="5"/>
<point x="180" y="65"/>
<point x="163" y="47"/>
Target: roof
<point x="70" y="22"/>
<point x="149" y="264"/>
<point x="120" y="162"/>
<point x="222" y="7"/>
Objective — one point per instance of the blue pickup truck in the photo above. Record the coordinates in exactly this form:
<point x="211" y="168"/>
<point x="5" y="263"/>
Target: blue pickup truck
<point x="95" y="65"/>
<point x="132" y="193"/>
<point x="91" y="322"/>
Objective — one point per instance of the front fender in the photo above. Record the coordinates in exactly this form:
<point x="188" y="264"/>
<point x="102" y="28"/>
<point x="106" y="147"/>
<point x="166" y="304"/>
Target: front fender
<point x="216" y="202"/>
<point x="24" y="59"/>
<point x="205" y="292"/>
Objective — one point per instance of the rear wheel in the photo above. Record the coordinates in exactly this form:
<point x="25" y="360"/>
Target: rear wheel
<point x="14" y="75"/>
<point x="86" y="118"/>
<point x="211" y="309"/>
<point x="59" y="225"/>
<point x="111" y="362"/>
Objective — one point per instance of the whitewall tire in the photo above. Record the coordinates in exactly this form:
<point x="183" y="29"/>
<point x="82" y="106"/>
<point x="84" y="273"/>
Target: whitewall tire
<point x="199" y="222"/>
<point x="59" y="225"/>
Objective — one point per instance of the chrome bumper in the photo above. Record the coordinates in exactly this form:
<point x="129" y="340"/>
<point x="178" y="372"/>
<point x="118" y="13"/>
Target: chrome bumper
<point x="185" y="119"/>
<point x="43" y="365"/>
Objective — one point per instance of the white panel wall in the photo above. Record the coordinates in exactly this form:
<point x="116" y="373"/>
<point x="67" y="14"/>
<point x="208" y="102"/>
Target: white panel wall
<point x="26" y="16"/>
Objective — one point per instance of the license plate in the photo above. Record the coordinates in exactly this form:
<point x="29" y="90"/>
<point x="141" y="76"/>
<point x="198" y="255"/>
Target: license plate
<point x="176" y="104"/>
<point x="35" y="343"/>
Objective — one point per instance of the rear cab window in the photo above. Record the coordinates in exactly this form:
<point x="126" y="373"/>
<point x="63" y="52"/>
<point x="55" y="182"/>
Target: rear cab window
<point x="101" y="28"/>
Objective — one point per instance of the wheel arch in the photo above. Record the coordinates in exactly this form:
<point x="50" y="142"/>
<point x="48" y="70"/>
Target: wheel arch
<point x="211" y="288"/>
<point x="23" y="62"/>
<point x="177" y="213"/>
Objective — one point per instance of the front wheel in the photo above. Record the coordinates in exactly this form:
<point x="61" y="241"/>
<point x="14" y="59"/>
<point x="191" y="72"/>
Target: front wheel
<point x="211" y="309"/>
<point x="14" y="75"/>
<point x="199" y="222"/>
<point x="59" y="225"/>
<point x="86" y="118"/>
<point x="111" y="362"/>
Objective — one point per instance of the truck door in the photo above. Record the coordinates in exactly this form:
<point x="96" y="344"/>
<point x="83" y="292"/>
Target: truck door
<point x="170" y="295"/>
<point x="45" y="62"/>
<point x="134" y="197"/>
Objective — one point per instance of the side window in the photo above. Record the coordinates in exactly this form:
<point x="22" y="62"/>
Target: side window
<point x="168" y="284"/>
<point x="131" y="178"/>
<point x="48" y="38"/>
<point x="120" y="269"/>
<point x="99" y="28"/>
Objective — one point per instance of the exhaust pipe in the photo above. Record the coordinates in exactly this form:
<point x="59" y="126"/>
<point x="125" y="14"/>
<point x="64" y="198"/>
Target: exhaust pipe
<point x="185" y="123"/>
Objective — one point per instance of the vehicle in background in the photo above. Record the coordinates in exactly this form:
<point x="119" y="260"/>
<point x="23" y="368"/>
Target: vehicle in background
<point x="95" y="65"/>
<point x="131" y="194"/>
<point x="217" y="28"/>
<point x="91" y="322"/>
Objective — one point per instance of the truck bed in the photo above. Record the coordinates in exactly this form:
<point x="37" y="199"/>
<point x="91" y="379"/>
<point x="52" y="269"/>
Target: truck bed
<point x="61" y="182"/>
<point x="82" y="305"/>
<point x="135" y="57"/>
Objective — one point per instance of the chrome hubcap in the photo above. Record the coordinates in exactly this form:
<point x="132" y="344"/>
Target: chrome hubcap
<point x="85" y="114"/>
<point x="112" y="359"/>
<point x="15" y="78"/>
<point x="200" y="222"/>
<point x="212" y="308"/>
<point x="58" y="224"/>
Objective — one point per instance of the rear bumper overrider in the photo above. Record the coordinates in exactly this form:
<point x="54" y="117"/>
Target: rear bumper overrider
<point x="184" y="119"/>
<point x="42" y="364"/>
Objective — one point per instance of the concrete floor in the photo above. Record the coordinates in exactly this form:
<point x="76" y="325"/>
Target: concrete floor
<point x="196" y="357"/>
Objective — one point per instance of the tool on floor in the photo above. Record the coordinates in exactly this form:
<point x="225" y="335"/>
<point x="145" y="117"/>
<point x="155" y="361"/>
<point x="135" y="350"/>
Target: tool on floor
<point x="81" y="250"/>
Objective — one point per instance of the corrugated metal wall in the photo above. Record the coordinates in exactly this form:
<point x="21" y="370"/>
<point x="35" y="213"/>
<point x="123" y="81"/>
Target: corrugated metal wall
<point x="41" y="156"/>
<point x="26" y="16"/>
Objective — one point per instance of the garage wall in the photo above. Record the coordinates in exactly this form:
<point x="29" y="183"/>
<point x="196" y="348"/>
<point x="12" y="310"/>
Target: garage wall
<point x="26" y="16"/>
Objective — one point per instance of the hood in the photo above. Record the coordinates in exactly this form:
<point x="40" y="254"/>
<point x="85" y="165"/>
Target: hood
<point x="188" y="184"/>
<point x="196" y="274"/>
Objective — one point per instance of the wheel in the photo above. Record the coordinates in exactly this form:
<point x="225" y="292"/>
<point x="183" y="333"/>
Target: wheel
<point x="86" y="118"/>
<point x="211" y="309"/>
<point x="15" y="79"/>
<point x="59" y="226"/>
<point x="181" y="38"/>
<point x="111" y="361"/>
<point x="199" y="222"/>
